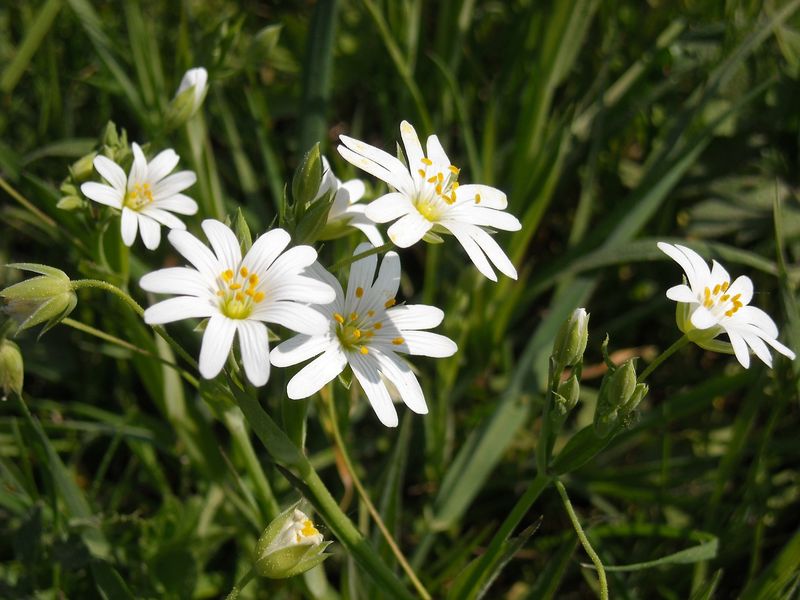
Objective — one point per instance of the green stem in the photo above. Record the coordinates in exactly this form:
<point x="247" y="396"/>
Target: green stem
<point x="680" y="343"/>
<point x="351" y="259"/>
<point x="240" y="585"/>
<point x="293" y="460"/>
<point x="601" y="573"/>
<point x="337" y="436"/>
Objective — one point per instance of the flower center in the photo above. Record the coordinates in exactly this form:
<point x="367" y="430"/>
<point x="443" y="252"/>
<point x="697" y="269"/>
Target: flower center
<point x="436" y="190"/>
<point x="718" y="300"/>
<point x="139" y="197"/>
<point x="355" y="331"/>
<point x="237" y="293"/>
<point x="307" y="530"/>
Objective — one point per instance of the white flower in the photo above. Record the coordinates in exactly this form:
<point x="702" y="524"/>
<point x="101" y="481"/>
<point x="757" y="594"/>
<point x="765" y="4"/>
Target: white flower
<point x="297" y="530"/>
<point x="428" y="199"/>
<point x="345" y="212"/>
<point x="147" y="197"/>
<point x="366" y="330"/>
<point x="238" y="294"/>
<point x="197" y="79"/>
<point x="710" y="305"/>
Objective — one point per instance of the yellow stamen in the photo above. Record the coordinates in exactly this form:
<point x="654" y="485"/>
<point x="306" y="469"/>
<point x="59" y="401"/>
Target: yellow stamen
<point x="421" y="172"/>
<point x="308" y="528"/>
<point x="364" y="350"/>
<point x="236" y="286"/>
<point x="249" y="292"/>
<point x="440" y="177"/>
<point x="370" y="313"/>
<point x="220" y="293"/>
<point x="397" y="341"/>
<point x="227" y="275"/>
<point x="390" y="303"/>
<point x="432" y="179"/>
<point x="368" y="334"/>
<point x="357" y="333"/>
<point x="259" y="296"/>
<point x="243" y="271"/>
<point x="454" y="169"/>
<point x="378" y="325"/>
<point x="716" y="289"/>
<point x="736" y="298"/>
<point x="426" y="161"/>
<point x="253" y="279"/>
<point x="724" y="298"/>
<point x="239" y="296"/>
<point x="707" y="293"/>
<point x="339" y="318"/>
<point x="439" y="188"/>
<point x="454" y="186"/>
<point x="353" y="316"/>
<point x="477" y="198"/>
<point x="725" y="286"/>
<point x="359" y="292"/>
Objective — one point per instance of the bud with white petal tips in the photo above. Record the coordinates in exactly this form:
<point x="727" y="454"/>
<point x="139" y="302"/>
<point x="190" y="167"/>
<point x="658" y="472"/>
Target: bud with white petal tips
<point x="290" y="545"/>
<point x="46" y="299"/>
<point x="189" y="97"/>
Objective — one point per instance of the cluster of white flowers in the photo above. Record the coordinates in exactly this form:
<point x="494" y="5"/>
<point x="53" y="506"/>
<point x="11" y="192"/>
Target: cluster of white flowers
<point x="364" y="328"/>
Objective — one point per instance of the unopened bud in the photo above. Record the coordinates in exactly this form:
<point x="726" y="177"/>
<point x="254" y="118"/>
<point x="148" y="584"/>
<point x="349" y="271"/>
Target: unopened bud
<point x="83" y="168"/>
<point x="616" y="393"/>
<point x="289" y="546"/>
<point x="46" y="299"/>
<point x="570" y="343"/>
<point x="12" y="370"/>
<point x="564" y="400"/>
<point x="189" y="97"/>
<point x="313" y="195"/>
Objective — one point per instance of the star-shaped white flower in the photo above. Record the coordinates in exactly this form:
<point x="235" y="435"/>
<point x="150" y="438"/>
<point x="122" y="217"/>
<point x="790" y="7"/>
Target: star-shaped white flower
<point x="428" y="198"/>
<point x="345" y="210"/>
<point x="147" y="197"/>
<point x="710" y="305"/>
<point x="366" y="329"/>
<point x="238" y="294"/>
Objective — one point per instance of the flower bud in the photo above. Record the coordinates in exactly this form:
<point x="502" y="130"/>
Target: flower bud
<point x="289" y="546"/>
<point x="564" y="400"/>
<point x="83" y="168"/>
<point x="313" y="193"/>
<point x="46" y="299"/>
<point x="570" y="343"/>
<point x="12" y="371"/>
<point x="189" y="97"/>
<point x="616" y="393"/>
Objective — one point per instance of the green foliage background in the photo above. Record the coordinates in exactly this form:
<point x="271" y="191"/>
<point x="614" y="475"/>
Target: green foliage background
<point x="610" y="125"/>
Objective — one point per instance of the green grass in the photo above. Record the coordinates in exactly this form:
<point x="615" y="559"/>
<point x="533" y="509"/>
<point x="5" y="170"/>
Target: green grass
<point x="610" y="126"/>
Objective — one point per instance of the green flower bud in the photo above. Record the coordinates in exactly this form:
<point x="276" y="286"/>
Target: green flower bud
<point x="290" y="545"/>
<point x="12" y="371"/>
<point x="639" y="393"/>
<point x="564" y="400"/>
<point x="83" y="168"/>
<point x="69" y="203"/>
<point x="46" y="299"/>
<point x="570" y="343"/>
<point x="616" y="393"/>
<point x="189" y="97"/>
<point x="313" y="197"/>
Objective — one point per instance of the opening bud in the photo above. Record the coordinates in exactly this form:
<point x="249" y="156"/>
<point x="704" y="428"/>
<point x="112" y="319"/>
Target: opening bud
<point x="570" y="343"/>
<point x="290" y="545"/>
<point x="46" y="299"/>
<point x="12" y="370"/>
<point x="189" y="97"/>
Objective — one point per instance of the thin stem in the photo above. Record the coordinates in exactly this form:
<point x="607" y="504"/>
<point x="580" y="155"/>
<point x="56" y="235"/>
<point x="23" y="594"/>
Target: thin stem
<point x="104" y="285"/>
<point x="351" y="259"/>
<point x="337" y="436"/>
<point x="240" y="585"/>
<point x="601" y="573"/>
<point x="680" y="343"/>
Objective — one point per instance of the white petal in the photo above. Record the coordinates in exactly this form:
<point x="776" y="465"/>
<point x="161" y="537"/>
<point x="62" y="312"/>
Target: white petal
<point x="224" y="243"/>
<point x="758" y="318"/>
<point x="409" y="229"/>
<point x="176" y="280"/>
<point x="177" y="309"/>
<point x="254" y="344"/>
<point x="150" y="231"/>
<point x="752" y="331"/>
<point x="679" y="257"/>
<point x="400" y="374"/>
<point x="162" y="165"/>
<point x="302" y="289"/>
<point x="366" y="372"/>
<point x="362" y="274"/>
<point x="494" y="252"/>
<point x="758" y="346"/>
<point x="699" y="265"/>
<point x="702" y="318"/>
<point x="425" y="343"/>
<point x="177" y="203"/>
<point x="415" y="316"/>
<point x="311" y="378"/>
<point x="462" y="234"/>
<point x="412" y="145"/>
<point x="291" y="262"/>
<point x="103" y="194"/>
<point x="681" y="293"/>
<point x="294" y="316"/>
<point x="388" y="280"/>
<point x="718" y="273"/>
<point x="138" y="172"/>
<point x="265" y="250"/>
<point x="355" y="189"/>
<point x="489" y="197"/>
<point x="196" y="253"/>
<point x="739" y="348"/>
<point x="298" y="349"/>
<point x="216" y="346"/>
<point x="111" y="172"/>
<point x="389" y="207"/>
<point x="129" y="223"/>
<point x="398" y="179"/>
<point x="743" y="286"/>
<point x="486" y="217"/>
<point x="163" y="217"/>
<point x="369" y="230"/>
<point x="376" y="156"/>
<point x="435" y="151"/>
<point x="173" y="184"/>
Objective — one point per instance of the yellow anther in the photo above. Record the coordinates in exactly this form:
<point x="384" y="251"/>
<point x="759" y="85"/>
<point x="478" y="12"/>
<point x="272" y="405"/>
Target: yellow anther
<point x="227" y="275"/>
<point x="249" y="292"/>
<point x="258" y="297"/>
<point x="724" y="298"/>
<point x="236" y="286"/>
<point x="370" y="313"/>
<point x="364" y="350"/>
<point x="421" y="172"/>
<point x="454" y="169"/>
<point x="353" y="316"/>
<point x="220" y="293"/>
<point x="356" y="333"/>
<point x="239" y="296"/>
<point x="368" y="334"/>
<point x="378" y="325"/>
<point x="432" y="179"/>
<point x="735" y="299"/>
<point x="707" y="293"/>
<point x="454" y="186"/>
<point x="308" y="528"/>
<point x="440" y="177"/>
<point x="426" y="161"/>
<point x="708" y="303"/>
<point x="725" y="285"/>
<point x="390" y="303"/>
<point x="439" y="188"/>
<point x="477" y="198"/>
<point x="339" y="318"/>
<point x="716" y="289"/>
<point x="359" y="292"/>
<point x="243" y="271"/>
<point x="397" y="341"/>
<point x="253" y="279"/>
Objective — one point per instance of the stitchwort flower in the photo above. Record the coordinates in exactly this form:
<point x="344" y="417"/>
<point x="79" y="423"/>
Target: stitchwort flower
<point x="290" y="545"/>
<point x="345" y="211"/>
<point x="366" y="329"/>
<point x="238" y="294"/>
<point x="147" y="197"/>
<point x="711" y="304"/>
<point x="429" y="200"/>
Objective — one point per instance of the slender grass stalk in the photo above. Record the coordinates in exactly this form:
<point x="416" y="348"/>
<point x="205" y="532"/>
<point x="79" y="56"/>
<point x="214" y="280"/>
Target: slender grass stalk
<point x="362" y="492"/>
<point x="680" y="343"/>
<point x="33" y="39"/>
<point x="601" y="573"/>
